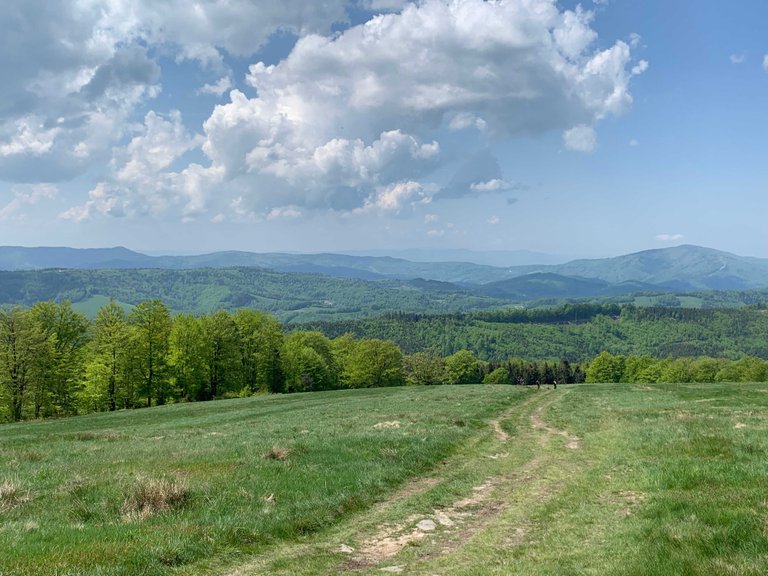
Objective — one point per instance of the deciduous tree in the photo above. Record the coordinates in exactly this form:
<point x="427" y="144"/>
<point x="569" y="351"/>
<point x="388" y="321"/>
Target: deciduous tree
<point x="152" y="322"/>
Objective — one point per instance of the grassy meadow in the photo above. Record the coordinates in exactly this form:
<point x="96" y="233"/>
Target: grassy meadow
<point x="471" y="480"/>
<point x="76" y="495"/>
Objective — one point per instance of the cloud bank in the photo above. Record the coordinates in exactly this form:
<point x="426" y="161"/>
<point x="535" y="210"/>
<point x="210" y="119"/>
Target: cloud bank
<point x="352" y="121"/>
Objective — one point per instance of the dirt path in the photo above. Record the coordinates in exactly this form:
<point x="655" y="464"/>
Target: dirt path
<point x="501" y="436"/>
<point x="450" y="527"/>
<point x="537" y="421"/>
<point x="515" y="478"/>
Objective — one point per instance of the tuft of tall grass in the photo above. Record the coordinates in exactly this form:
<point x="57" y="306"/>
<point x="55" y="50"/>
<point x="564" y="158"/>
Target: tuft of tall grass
<point x="12" y="494"/>
<point x="153" y="496"/>
<point x="277" y="453"/>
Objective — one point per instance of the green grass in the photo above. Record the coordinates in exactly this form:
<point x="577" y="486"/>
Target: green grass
<point x="668" y="480"/>
<point x="594" y="479"/>
<point x="142" y="492"/>
<point x="91" y="306"/>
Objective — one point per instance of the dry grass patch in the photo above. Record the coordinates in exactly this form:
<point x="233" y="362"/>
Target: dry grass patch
<point x="12" y="494"/>
<point x="382" y="425"/>
<point x="152" y="496"/>
<point x="277" y="453"/>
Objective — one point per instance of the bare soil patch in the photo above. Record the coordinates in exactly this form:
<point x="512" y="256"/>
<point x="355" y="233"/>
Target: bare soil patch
<point x="573" y="442"/>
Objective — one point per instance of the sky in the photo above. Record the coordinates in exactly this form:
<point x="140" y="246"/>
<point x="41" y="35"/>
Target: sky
<point x="583" y="129"/>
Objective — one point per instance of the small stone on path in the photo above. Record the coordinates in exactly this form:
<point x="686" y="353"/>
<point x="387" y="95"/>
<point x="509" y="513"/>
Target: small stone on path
<point x="426" y="525"/>
<point x="344" y="549"/>
<point x="444" y="519"/>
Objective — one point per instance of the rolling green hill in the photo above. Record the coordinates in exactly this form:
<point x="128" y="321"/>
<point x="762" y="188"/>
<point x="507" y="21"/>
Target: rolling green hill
<point x="291" y="297"/>
<point x="312" y="287"/>
<point x="539" y="285"/>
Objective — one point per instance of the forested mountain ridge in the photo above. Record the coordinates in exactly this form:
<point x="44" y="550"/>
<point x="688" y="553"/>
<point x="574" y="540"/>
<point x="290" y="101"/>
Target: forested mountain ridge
<point x="296" y="298"/>
<point x="539" y="285"/>
<point x="290" y="296"/>
<point x="576" y="332"/>
<point x="681" y="268"/>
<point x="340" y="265"/>
<point x="313" y="287"/>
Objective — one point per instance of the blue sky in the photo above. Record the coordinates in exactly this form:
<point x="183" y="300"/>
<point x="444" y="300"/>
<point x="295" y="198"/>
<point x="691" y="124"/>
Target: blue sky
<point x="589" y="129"/>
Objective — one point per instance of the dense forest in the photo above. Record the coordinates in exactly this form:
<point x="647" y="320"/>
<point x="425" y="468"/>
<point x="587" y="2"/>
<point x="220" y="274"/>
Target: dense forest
<point x="292" y="297"/>
<point x="55" y="362"/>
<point x="297" y="298"/>
<point x="576" y="332"/>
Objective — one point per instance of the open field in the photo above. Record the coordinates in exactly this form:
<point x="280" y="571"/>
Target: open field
<point x="592" y="479"/>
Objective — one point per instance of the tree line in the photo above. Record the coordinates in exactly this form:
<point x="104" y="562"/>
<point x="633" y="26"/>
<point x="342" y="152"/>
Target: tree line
<point x="575" y="331"/>
<point x="55" y="362"/>
<point x="607" y="367"/>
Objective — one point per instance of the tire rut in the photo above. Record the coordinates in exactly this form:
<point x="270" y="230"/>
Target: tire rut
<point x="450" y="527"/>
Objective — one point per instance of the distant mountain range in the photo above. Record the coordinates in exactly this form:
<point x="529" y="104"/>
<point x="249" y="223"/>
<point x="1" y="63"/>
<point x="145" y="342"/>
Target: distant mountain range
<point x="339" y="265"/>
<point x="499" y="258"/>
<point x="680" y="269"/>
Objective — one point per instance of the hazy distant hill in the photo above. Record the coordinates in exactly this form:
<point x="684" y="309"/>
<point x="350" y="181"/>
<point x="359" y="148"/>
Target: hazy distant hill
<point x="679" y="268"/>
<point x="540" y="285"/>
<point x="339" y="265"/>
<point x="22" y="258"/>
<point x="683" y="268"/>
<point x="498" y="258"/>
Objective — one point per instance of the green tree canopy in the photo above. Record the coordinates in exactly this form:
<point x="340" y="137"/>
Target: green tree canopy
<point x="606" y="368"/>
<point x="463" y="367"/>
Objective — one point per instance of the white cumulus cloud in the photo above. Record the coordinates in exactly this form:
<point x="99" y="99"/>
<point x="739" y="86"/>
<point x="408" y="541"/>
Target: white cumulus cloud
<point x="669" y="237"/>
<point x="218" y="88"/>
<point x="76" y="71"/>
<point x="396" y="197"/>
<point x="344" y="117"/>
<point x="350" y="120"/>
<point x="284" y="212"/>
<point x="27" y="195"/>
<point x="580" y="138"/>
<point x="383" y="4"/>
<point x="141" y="181"/>
<point x="494" y="185"/>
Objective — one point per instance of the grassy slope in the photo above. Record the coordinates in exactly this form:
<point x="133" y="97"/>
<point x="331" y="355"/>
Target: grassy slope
<point x="637" y="480"/>
<point x="76" y="474"/>
<point x="594" y="479"/>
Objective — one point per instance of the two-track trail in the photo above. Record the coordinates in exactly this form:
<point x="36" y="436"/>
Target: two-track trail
<point x="484" y="500"/>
